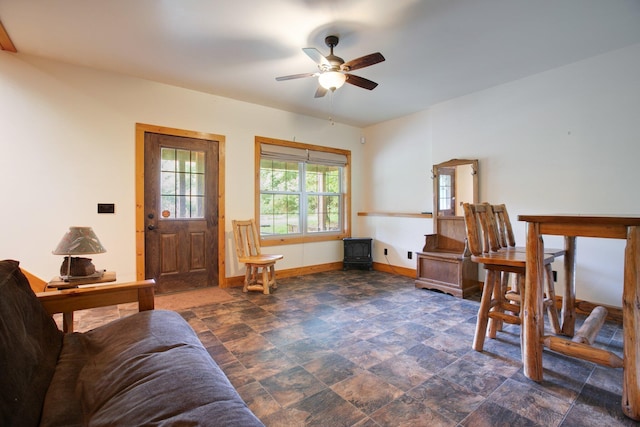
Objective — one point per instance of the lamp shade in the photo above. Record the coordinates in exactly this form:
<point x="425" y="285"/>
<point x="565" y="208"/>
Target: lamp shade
<point x="332" y="80"/>
<point x="79" y="241"/>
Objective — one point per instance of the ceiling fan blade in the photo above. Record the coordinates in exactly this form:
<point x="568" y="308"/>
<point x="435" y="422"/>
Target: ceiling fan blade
<point x="362" y="62"/>
<point x="315" y="55"/>
<point x="361" y="82"/>
<point x="296" y="76"/>
<point x="320" y="92"/>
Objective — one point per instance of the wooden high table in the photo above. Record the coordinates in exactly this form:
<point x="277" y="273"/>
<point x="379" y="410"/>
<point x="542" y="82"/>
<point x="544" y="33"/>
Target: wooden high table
<point x="572" y="226"/>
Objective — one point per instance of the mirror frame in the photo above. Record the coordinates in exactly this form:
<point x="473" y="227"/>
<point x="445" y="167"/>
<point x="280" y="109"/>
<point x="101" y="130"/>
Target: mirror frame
<point x="436" y="187"/>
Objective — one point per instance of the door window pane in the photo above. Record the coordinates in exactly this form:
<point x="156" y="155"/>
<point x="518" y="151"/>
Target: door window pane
<point x="182" y="188"/>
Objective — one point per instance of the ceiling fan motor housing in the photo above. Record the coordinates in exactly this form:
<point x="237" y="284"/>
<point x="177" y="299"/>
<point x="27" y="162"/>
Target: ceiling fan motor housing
<point x="334" y="61"/>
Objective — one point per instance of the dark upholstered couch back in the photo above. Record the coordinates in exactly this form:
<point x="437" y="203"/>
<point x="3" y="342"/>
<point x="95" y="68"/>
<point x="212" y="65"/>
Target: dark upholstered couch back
<point x="30" y="343"/>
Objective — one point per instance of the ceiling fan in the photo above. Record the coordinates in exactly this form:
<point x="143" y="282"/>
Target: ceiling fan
<point x="334" y="72"/>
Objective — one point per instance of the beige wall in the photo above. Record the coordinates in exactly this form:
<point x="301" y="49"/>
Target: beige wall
<point x="67" y="141"/>
<point x="566" y="140"/>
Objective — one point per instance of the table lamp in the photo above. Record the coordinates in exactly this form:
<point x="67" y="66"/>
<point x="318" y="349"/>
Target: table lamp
<point x="78" y="241"/>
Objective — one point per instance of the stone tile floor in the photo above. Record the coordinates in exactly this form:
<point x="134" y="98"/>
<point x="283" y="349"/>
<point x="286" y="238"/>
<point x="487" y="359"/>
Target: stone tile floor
<point x="366" y="348"/>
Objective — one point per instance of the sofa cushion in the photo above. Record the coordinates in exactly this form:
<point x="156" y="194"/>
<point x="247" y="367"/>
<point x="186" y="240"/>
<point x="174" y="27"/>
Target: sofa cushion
<point x="147" y="368"/>
<point x="30" y="343"/>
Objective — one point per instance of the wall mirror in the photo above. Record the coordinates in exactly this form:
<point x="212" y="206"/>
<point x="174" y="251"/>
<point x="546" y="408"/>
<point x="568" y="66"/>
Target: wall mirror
<point x="454" y="182"/>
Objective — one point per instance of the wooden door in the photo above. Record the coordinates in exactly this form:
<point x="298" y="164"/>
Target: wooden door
<point x="180" y="211"/>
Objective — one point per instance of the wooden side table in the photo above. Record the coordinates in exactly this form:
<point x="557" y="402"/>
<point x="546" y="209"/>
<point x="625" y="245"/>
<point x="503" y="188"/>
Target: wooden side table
<point x="68" y="300"/>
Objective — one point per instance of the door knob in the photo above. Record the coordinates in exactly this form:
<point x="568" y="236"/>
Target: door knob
<point x="151" y="227"/>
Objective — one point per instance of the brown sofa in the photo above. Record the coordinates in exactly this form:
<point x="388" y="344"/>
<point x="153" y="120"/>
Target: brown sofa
<point x="148" y="368"/>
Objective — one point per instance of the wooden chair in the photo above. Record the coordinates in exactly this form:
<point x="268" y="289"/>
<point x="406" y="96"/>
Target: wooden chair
<point x="245" y="234"/>
<point x="506" y="240"/>
<point x="499" y="303"/>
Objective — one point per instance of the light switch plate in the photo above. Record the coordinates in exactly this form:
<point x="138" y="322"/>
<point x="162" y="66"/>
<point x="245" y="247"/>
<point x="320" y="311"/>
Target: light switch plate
<point x="106" y="208"/>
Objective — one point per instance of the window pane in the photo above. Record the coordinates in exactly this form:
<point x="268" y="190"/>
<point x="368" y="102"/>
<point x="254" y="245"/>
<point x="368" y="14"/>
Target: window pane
<point x="279" y="214"/>
<point x="197" y="185"/>
<point x="168" y="183"/>
<point x="332" y="180"/>
<point x="168" y="159"/>
<point x="182" y="207"/>
<point x="266" y="175"/>
<point x="285" y="213"/>
<point x="322" y="179"/>
<point x="277" y="175"/>
<point x="182" y="183"/>
<point x="168" y="204"/>
<point x="266" y="204"/>
<point x="445" y="191"/>
<point x="323" y="213"/>
<point x="197" y="207"/>
<point x="266" y="214"/>
<point x="183" y="161"/>
<point x="197" y="159"/>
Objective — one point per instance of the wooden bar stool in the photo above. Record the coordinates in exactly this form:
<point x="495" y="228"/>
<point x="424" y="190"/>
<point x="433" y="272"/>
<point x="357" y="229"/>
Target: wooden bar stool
<point x="506" y="240"/>
<point x="498" y="303"/>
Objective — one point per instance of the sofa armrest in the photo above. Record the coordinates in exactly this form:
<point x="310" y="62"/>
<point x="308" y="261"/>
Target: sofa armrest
<point x="36" y="283"/>
<point x="69" y="300"/>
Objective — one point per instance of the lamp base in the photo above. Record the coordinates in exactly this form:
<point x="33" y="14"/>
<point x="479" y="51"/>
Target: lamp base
<point x="79" y="267"/>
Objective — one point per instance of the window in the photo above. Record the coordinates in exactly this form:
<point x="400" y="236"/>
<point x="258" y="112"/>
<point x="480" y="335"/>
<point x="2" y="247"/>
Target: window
<point x="182" y="183"/>
<point x="303" y="192"/>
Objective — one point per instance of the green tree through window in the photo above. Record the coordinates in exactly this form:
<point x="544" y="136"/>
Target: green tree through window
<point x="302" y="191"/>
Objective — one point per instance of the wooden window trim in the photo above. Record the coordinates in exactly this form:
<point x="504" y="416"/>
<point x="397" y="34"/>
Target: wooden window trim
<point x="347" y="194"/>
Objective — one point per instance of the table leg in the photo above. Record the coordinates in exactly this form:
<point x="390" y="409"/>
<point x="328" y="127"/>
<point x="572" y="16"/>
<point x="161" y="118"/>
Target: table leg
<point x="569" y="291"/>
<point x="146" y="299"/>
<point x="533" y="322"/>
<point x="631" y="326"/>
<point x="67" y="322"/>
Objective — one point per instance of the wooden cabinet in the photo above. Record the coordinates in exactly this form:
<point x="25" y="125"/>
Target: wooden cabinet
<point x="447" y="272"/>
<point x="444" y="263"/>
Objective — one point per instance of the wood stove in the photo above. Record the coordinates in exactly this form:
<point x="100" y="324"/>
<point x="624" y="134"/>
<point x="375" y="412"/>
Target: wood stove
<point x="357" y="252"/>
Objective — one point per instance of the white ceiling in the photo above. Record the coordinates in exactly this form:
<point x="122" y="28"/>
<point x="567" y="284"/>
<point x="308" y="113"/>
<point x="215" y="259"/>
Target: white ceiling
<point x="435" y="49"/>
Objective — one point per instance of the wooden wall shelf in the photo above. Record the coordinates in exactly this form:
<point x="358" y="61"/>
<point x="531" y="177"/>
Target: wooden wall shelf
<point x="397" y="214"/>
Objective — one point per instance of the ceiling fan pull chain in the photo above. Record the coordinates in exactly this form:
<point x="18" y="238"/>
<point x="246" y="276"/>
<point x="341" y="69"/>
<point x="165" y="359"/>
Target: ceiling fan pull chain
<point x="331" y="113"/>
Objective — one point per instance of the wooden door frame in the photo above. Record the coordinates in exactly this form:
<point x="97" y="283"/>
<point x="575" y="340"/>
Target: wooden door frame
<point x="141" y="128"/>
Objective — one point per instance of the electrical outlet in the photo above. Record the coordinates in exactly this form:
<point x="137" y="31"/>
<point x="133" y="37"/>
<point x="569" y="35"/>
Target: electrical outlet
<point x="385" y="251"/>
<point x="409" y="254"/>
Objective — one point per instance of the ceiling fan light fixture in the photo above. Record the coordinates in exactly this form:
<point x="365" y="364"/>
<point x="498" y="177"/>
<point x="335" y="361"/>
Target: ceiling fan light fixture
<point x="332" y="80"/>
